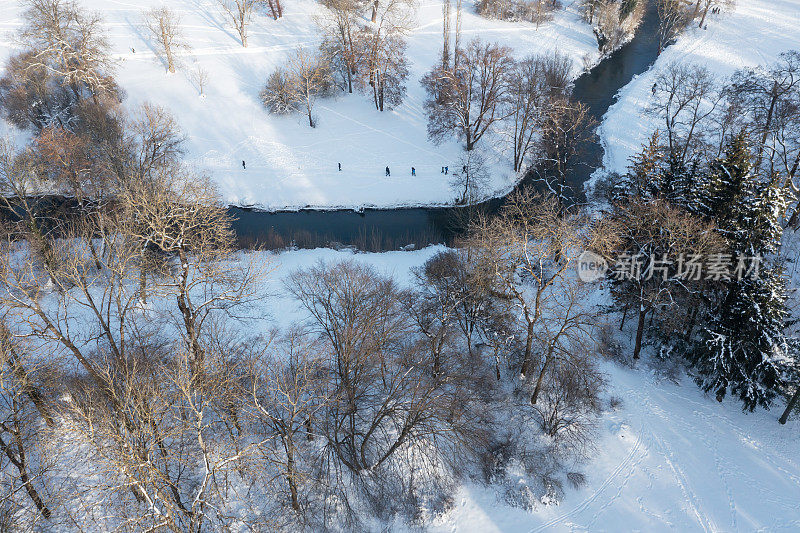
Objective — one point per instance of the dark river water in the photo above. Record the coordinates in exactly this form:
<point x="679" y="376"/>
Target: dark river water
<point x="391" y="229"/>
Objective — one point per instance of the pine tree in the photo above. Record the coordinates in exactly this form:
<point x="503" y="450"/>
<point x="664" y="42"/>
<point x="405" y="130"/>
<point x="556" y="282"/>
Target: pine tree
<point x="742" y="348"/>
<point x="643" y="178"/>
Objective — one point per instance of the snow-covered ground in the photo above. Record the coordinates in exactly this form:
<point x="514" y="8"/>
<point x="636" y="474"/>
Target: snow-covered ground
<point x="288" y="163"/>
<point x="669" y="458"/>
<point x="755" y="33"/>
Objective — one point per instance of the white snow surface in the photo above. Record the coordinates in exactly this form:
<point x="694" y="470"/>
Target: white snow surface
<point x="669" y="459"/>
<point x="289" y="164"/>
<point x="753" y="34"/>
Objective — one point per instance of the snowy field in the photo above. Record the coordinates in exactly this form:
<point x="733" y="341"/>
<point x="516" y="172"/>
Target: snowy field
<point x="669" y="458"/>
<point x="288" y="163"/>
<point x="755" y="33"/>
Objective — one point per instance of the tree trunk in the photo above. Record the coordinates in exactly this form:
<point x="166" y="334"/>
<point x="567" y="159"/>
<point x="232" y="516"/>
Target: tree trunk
<point x="540" y="380"/>
<point x="639" y="332"/>
<point x="291" y="475"/>
<point x="767" y="125"/>
<point x="693" y="312"/>
<point x="705" y="12"/>
<point x="18" y="460"/>
<point x="33" y="393"/>
<point x="795" y="397"/>
<point x="526" y="361"/>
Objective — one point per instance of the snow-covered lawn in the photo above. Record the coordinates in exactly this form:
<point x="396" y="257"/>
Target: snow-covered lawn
<point x="754" y="34"/>
<point x="669" y="458"/>
<point x="288" y="163"/>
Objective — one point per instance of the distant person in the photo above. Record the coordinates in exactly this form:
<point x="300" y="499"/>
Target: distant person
<point x="133" y="50"/>
<point x="340" y="167"/>
<point x="243" y="165"/>
<point x="413" y="171"/>
<point x="446" y="170"/>
<point x="653" y="89"/>
<point x="387" y="172"/>
<point x="464" y="169"/>
<point x="442" y="170"/>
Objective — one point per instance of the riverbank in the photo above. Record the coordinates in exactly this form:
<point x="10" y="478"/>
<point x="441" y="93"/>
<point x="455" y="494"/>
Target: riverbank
<point x="382" y="229"/>
<point x="753" y="34"/>
<point x="288" y="164"/>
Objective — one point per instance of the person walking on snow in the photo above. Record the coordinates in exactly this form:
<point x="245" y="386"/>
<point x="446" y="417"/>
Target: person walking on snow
<point x="387" y="172"/>
<point x="413" y="171"/>
<point x="243" y="165"/>
<point x="655" y="86"/>
<point x="446" y="170"/>
<point x="340" y="167"/>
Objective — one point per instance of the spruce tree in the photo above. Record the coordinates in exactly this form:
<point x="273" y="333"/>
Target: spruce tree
<point x="742" y="349"/>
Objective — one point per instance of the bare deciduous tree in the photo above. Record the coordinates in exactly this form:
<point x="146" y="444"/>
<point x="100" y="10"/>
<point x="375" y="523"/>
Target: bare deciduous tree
<point x="471" y="178"/>
<point x="199" y="76"/>
<point x="274" y="7"/>
<point x="386" y="62"/>
<point x="467" y="99"/>
<point x="279" y="95"/>
<point x="536" y="80"/>
<point x="289" y="391"/>
<point x="685" y="97"/>
<point x="70" y="43"/>
<point x="343" y="44"/>
<point x="22" y="440"/>
<point x="763" y="93"/>
<point x="239" y="14"/>
<point x="650" y="233"/>
<point x="155" y="141"/>
<point x="566" y="128"/>
<point x="530" y="251"/>
<point x="385" y="395"/>
<point x="674" y="16"/>
<point x="164" y="25"/>
<point x="311" y="78"/>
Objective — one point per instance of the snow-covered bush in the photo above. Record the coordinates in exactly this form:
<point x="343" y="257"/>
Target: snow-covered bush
<point x="536" y="11"/>
<point x="297" y="86"/>
<point x="615" y="21"/>
<point x="279" y="95"/>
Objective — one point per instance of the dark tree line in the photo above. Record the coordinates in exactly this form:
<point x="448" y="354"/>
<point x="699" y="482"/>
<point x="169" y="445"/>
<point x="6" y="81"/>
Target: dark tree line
<point x="716" y="182"/>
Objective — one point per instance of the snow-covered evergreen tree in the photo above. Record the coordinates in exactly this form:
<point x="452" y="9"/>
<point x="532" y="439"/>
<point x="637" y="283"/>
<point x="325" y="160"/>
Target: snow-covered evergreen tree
<point x="742" y="349"/>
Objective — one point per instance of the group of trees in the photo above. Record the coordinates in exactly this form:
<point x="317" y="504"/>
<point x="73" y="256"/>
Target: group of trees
<point x="133" y="329"/>
<point x="714" y="188"/>
<point x="536" y="11"/>
<point x="614" y="21"/>
<point x="483" y="89"/>
<point x="130" y="327"/>
<point x="355" y="54"/>
<point x="677" y="15"/>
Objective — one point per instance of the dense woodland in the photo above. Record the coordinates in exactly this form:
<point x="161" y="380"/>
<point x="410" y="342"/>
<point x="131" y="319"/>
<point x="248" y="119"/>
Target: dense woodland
<point x="141" y="390"/>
